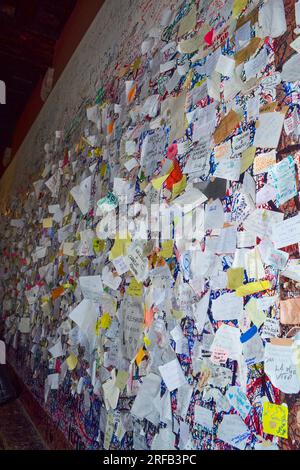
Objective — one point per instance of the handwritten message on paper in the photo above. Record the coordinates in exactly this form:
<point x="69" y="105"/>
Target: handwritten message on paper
<point x="238" y="399"/>
<point x="275" y="419"/>
<point x="280" y="368"/>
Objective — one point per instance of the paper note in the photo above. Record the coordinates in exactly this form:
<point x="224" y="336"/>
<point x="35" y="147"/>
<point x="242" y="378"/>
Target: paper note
<point x="271" y="19"/>
<point x="268" y="133"/>
<point x="227" y="307"/>
<point x="56" y="350"/>
<point x="260" y="222"/>
<point x="91" y="287"/>
<point x="175" y="107"/>
<point x="253" y="66"/>
<point x="263" y="162"/>
<point x="172" y="375"/>
<point x="188" y="46"/>
<point x="233" y="431"/>
<point x="135" y="289"/>
<point x="120" y="246"/>
<point x="280" y="367"/>
<point x="152" y="151"/>
<point x="179" y="187"/>
<point x="72" y="361"/>
<point x="24" y="325"/>
<point x="270" y="328"/>
<point x="238" y="7"/>
<point x="226" y="126"/>
<point x="229" y="169"/>
<point x="247" y="158"/>
<point x="256" y="316"/>
<point x="235" y="278"/>
<point x="252" y="288"/>
<point x="245" y="53"/>
<point x="47" y="223"/>
<point x="228" y="338"/>
<point x="190" y="199"/>
<point x="81" y="194"/>
<point x="85" y="316"/>
<point x="148" y="391"/>
<point x="204" y="417"/>
<point x="283" y="179"/>
<point x="225" y="65"/>
<point x="275" y="419"/>
<point x="132" y="326"/>
<point x="287" y="232"/>
<point x="214" y="215"/>
<point x="199" y="157"/>
<point x="136" y="262"/>
<point x="120" y="265"/>
<point x="238" y="399"/>
<point x="188" y="22"/>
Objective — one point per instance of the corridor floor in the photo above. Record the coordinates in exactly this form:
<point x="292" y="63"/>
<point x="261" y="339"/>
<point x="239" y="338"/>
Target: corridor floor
<point x="16" y="430"/>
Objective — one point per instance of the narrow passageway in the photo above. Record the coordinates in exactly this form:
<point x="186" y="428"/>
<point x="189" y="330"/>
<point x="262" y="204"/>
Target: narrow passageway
<point x="16" y="429"/>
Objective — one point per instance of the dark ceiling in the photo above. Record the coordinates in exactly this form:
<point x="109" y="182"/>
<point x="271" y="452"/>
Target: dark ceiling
<point x="29" y="30"/>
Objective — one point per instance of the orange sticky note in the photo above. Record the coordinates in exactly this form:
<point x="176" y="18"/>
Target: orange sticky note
<point x="140" y="356"/>
<point x="175" y="175"/>
<point x="131" y="94"/>
<point x="110" y="127"/>
<point x="57" y="292"/>
<point x="149" y="314"/>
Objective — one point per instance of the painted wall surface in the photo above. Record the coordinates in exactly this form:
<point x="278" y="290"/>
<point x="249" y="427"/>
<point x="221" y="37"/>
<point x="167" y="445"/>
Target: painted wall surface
<point x="113" y="38"/>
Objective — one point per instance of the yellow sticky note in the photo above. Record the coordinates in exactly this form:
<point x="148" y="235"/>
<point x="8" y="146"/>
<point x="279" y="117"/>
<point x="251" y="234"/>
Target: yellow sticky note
<point x="47" y="223"/>
<point x="247" y="158"/>
<point x="235" y="277"/>
<point x="159" y="181"/>
<point x="120" y="247"/>
<point x="105" y="321"/>
<point x="136" y="64"/>
<point x="238" y="7"/>
<point x="98" y="152"/>
<point x="103" y="170"/>
<point x="252" y="288"/>
<point x="98" y="245"/>
<point x="256" y="316"/>
<point x="275" y="419"/>
<point x="135" y="289"/>
<point x="167" y="249"/>
<point x="140" y="356"/>
<point x="98" y="327"/>
<point x="147" y="341"/>
<point x="179" y="187"/>
<point x="72" y="361"/>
